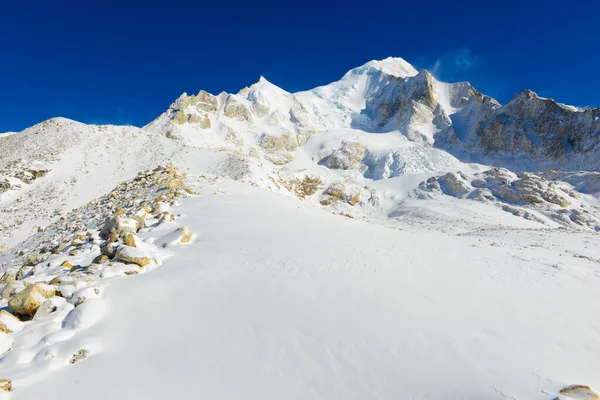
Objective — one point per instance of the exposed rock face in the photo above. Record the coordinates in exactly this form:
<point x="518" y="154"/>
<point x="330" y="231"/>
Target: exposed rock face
<point x="31" y="298"/>
<point x="206" y="102"/>
<point x="454" y="184"/>
<point x="205" y="123"/>
<point x="305" y="187"/>
<point x="236" y="110"/>
<point x="556" y="200"/>
<point x="278" y="148"/>
<point x="339" y="192"/>
<point x="349" y="156"/>
<point x="540" y="128"/>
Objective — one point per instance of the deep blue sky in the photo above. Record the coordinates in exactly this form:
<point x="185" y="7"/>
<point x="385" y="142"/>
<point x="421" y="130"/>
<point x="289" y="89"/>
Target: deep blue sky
<point x="126" y="61"/>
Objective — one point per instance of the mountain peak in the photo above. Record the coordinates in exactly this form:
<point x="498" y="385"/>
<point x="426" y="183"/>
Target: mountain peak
<point x="394" y="66"/>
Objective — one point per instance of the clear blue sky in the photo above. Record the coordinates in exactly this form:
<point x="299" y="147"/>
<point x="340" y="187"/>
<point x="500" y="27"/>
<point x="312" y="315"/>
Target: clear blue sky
<point x="126" y="61"/>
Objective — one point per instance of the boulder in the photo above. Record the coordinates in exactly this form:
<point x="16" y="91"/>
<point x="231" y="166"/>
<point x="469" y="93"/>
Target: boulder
<point x="118" y="224"/>
<point x="130" y="240"/>
<point x="31" y="298"/>
<point x="11" y="289"/>
<point x="581" y="392"/>
<point x="45" y="309"/>
<point x="132" y="255"/>
<point x="178" y="236"/>
<point x="101" y="259"/>
<point x="5" y="385"/>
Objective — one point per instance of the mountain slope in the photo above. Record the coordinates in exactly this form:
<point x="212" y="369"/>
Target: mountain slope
<point x="278" y="298"/>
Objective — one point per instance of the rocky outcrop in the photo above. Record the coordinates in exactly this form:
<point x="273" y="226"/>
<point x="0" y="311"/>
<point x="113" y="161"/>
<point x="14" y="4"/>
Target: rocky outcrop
<point x="235" y="110"/>
<point x="349" y="156"/>
<point x="540" y="128"/>
<point x="340" y="192"/>
<point x="523" y="194"/>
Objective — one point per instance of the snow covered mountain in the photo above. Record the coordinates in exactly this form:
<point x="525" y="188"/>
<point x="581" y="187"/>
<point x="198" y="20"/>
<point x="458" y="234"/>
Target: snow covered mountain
<point x="329" y="244"/>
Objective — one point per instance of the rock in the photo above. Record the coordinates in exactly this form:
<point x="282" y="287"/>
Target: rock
<point x="61" y="280"/>
<point x="174" y="182"/>
<point x="4" y="329"/>
<point x="348" y="157"/>
<point x="132" y="255"/>
<point x="9" y="321"/>
<point x="5" y="385"/>
<point x="45" y="309"/>
<point x="31" y="298"/>
<point x="582" y="392"/>
<point x="34" y="259"/>
<point x="23" y="271"/>
<point x="66" y="264"/>
<point x="8" y="277"/>
<point x="305" y="187"/>
<point x="101" y="259"/>
<point x="166" y="217"/>
<point x="79" y="356"/>
<point x="140" y="216"/>
<point x="11" y="289"/>
<point x="205" y="123"/>
<point x="58" y="249"/>
<point x="108" y="249"/>
<point x="130" y="240"/>
<point x="160" y="207"/>
<point x="454" y="184"/>
<point x="237" y="111"/>
<point x="119" y="224"/>
<point x="180" y="117"/>
<point x="178" y="236"/>
<point x="193" y="118"/>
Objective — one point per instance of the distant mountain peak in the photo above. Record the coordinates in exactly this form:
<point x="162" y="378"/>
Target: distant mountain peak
<point x="394" y="66"/>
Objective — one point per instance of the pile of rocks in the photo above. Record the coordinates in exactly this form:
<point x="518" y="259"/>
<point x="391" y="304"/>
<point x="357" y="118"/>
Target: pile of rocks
<point x="64" y="264"/>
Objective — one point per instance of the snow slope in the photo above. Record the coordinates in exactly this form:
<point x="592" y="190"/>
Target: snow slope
<point x="278" y="298"/>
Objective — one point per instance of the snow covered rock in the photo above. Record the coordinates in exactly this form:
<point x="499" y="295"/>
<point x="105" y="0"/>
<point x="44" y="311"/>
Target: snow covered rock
<point x="31" y="298"/>
<point x="132" y="255"/>
<point x="579" y="392"/>
<point x="47" y="308"/>
<point x="454" y="184"/>
<point x="349" y="156"/>
<point x="120" y="225"/>
<point x="181" y="235"/>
